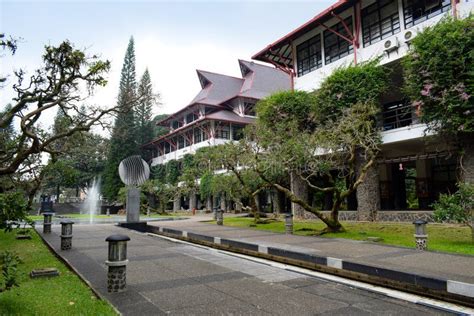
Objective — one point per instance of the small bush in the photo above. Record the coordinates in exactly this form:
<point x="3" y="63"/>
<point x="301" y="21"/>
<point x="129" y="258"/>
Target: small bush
<point x="9" y="262"/>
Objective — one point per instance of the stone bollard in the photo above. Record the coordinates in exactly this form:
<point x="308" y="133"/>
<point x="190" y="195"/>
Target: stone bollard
<point x="47" y="222"/>
<point x="289" y="224"/>
<point x="220" y="217"/>
<point x="117" y="263"/>
<point x="421" y="237"/>
<point x="66" y="234"/>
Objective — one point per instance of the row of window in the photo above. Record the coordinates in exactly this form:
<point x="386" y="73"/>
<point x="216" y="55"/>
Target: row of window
<point x="379" y="21"/>
<point x="222" y="132"/>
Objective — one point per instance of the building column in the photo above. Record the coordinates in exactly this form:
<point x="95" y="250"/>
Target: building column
<point x="223" y="204"/>
<point x="238" y="205"/>
<point x="209" y="203"/>
<point x="192" y="200"/>
<point x="467" y="171"/>
<point x="299" y="188"/>
<point x="177" y="203"/>
<point x="368" y="193"/>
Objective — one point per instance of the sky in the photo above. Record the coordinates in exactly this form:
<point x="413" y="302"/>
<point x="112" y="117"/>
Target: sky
<point x="172" y="38"/>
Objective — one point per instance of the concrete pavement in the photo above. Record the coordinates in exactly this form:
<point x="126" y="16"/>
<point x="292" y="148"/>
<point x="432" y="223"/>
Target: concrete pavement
<point x="166" y="277"/>
<point x="440" y="275"/>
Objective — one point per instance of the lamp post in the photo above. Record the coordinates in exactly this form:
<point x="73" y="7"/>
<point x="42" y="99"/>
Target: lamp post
<point x="47" y="222"/>
<point x="289" y="224"/>
<point x="66" y="234"/>
<point x="421" y="236"/>
<point x="117" y="263"/>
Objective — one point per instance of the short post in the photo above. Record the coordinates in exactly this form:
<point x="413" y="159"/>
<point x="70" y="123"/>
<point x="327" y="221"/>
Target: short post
<point x="47" y="222"/>
<point x="289" y="224"/>
<point x="421" y="236"/>
<point x="220" y="217"/>
<point x="108" y="211"/>
<point x="117" y="263"/>
<point x="66" y="234"/>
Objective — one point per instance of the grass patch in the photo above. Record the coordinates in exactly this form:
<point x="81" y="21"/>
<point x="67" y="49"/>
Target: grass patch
<point x="441" y="237"/>
<point x="62" y="295"/>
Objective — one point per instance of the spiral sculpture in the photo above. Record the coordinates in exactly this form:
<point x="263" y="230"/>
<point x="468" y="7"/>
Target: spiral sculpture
<point x="134" y="170"/>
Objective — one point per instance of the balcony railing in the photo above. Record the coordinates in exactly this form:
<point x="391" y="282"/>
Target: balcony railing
<point x="396" y="115"/>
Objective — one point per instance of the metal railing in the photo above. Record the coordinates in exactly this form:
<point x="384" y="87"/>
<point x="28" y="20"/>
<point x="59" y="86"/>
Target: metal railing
<point x="396" y="115"/>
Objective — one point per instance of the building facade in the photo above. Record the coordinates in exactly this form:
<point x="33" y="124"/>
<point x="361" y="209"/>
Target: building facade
<point x="413" y="168"/>
<point x="217" y="115"/>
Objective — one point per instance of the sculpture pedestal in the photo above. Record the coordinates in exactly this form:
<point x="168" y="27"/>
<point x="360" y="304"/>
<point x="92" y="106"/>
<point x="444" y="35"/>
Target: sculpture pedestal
<point x="133" y="205"/>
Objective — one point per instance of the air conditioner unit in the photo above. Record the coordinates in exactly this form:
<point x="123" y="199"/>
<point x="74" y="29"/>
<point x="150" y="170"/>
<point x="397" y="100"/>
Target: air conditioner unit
<point x="391" y="44"/>
<point x="409" y="35"/>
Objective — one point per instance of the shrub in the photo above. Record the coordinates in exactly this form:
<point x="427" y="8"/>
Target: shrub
<point x="457" y="207"/>
<point x="9" y="262"/>
<point x="13" y="208"/>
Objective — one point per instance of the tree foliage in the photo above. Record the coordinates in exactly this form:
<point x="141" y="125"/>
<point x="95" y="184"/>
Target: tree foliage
<point x="457" y="207"/>
<point x="144" y="111"/>
<point x="439" y="76"/>
<point x="59" y="83"/>
<point x="346" y="86"/>
<point x="123" y="142"/>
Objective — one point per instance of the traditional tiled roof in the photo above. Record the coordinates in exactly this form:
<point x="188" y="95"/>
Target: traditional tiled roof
<point x="257" y="82"/>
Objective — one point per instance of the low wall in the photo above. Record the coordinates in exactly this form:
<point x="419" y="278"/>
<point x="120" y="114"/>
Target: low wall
<point x="383" y="216"/>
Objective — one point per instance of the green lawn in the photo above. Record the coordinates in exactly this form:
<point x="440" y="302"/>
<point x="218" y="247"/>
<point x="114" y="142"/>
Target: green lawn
<point x="62" y="295"/>
<point x="441" y="237"/>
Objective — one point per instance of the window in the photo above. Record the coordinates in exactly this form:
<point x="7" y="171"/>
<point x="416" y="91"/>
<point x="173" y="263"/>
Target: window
<point x="167" y="148"/>
<point x="197" y="135"/>
<point x="223" y="131"/>
<point x="335" y="47"/>
<point x="205" y="133"/>
<point x="237" y="132"/>
<point x="417" y="11"/>
<point x="380" y="20"/>
<point x="190" y="117"/>
<point x="181" y="142"/>
<point x="396" y="115"/>
<point x="308" y="55"/>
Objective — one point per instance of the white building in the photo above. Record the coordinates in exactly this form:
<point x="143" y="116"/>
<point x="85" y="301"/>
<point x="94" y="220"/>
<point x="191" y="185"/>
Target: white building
<point x="412" y="171"/>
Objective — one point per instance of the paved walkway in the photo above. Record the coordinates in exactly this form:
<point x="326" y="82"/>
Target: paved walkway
<point x="166" y="277"/>
<point x="440" y="271"/>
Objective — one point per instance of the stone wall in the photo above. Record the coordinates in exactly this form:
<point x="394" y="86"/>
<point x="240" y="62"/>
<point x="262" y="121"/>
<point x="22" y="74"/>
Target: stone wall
<point x="368" y="192"/>
<point x="383" y="216"/>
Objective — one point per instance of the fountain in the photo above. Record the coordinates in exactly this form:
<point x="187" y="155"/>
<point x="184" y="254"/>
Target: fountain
<point x="92" y="202"/>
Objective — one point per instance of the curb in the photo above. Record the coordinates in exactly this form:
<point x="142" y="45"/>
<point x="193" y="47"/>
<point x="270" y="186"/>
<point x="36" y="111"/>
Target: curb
<point x="446" y="290"/>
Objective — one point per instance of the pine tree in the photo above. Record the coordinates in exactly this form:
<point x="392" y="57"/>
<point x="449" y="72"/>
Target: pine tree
<point x="123" y="142"/>
<point x="144" y="109"/>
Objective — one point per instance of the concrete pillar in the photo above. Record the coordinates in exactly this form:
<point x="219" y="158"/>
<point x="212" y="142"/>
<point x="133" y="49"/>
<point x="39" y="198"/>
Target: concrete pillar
<point x="177" y="203"/>
<point x="133" y="204"/>
<point x="238" y="206"/>
<point x="209" y="204"/>
<point x="192" y="200"/>
<point x="278" y="202"/>
<point x="300" y="189"/>
<point x="368" y="193"/>
<point x="223" y="204"/>
<point x="467" y="171"/>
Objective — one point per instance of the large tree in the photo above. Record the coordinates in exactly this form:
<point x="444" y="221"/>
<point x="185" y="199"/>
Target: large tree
<point x="66" y="77"/>
<point x="123" y="142"/>
<point x="144" y="112"/>
<point x="439" y="79"/>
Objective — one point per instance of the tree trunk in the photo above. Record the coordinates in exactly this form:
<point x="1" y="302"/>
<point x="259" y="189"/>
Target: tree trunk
<point x="192" y="200"/>
<point x="177" y="203"/>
